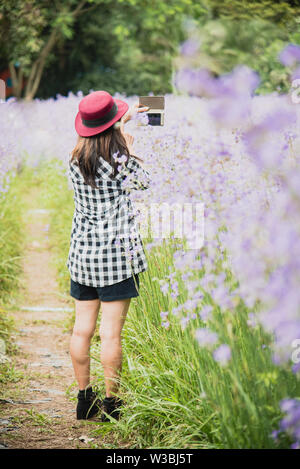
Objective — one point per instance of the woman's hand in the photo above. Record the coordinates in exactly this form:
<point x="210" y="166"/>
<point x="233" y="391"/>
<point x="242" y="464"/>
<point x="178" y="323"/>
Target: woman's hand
<point x="132" y="111"/>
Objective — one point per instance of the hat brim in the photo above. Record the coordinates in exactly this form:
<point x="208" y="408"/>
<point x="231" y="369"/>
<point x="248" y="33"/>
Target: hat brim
<point x="84" y="131"/>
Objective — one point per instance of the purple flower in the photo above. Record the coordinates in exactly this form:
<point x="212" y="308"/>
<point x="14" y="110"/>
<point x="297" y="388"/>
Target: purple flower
<point x="252" y="321"/>
<point x="220" y="294"/>
<point x="275" y="434"/>
<point x="205" y="312"/>
<point x="290" y="55"/>
<point x="121" y="159"/>
<point x="190" y="47"/>
<point x="295" y="445"/>
<point x="184" y="321"/>
<point x="197" y="82"/>
<point x="164" y="288"/>
<point x="296" y="367"/>
<point x="164" y="314"/>
<point x="206" y="337"/>
<point x="260" y="143"/>
<point x="291" y="422"/>
<point x="115" y="155"/>
<point x="295" y="74"/>
<point x="222" y="354"/>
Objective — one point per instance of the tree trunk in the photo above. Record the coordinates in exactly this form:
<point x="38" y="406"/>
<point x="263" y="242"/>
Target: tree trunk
<point x="15" y="78"/>
<point x="37" y="69"/>
<point x="38" y="66"/>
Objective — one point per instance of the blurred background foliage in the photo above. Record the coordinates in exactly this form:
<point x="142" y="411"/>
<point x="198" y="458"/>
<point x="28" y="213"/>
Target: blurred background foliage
<point x="132" y="46"/>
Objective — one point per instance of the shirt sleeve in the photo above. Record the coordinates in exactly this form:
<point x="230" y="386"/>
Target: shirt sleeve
<point x="134" y="176"/>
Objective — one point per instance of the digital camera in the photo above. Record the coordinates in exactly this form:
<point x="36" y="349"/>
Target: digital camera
<point x="156" y="113"/>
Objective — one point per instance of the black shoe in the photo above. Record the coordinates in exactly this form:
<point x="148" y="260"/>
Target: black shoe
<point x="110" y="405"/>
<point x="88" y="404"/>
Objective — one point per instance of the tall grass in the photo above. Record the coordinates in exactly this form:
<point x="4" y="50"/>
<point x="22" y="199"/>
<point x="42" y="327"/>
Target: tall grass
<point x="176" y="394"/>
<point x="12" y="247"/>
<point x="11" y="239"/>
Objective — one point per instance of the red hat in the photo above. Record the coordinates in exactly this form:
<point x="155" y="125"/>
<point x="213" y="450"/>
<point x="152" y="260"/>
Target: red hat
<point x="98" y="111"/>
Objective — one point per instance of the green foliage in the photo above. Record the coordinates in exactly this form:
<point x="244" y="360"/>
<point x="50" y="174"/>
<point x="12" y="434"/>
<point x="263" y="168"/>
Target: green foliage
<point x="95" y="43"/>
<point x="11" y="252"/>
<point x="229" y="40"/>
<point x="11" y="241"/>
<point x="177" y="395"/>
<point x="280" y="12"/>
<point x="124" y="47"/>
<point x="22" y="23"/>
<point x="129" y="46"/>
<point x="9" y="374"/>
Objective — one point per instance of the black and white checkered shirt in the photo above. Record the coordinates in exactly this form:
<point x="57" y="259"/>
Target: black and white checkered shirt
<point x="105" y="245"/>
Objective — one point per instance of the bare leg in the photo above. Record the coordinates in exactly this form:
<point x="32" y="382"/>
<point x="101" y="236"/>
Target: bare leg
<point x="83" y="331"/>
<point x="113" y="315"/>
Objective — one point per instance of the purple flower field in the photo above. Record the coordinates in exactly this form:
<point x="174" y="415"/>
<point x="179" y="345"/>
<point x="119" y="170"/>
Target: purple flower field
<point x="233" y="151"/>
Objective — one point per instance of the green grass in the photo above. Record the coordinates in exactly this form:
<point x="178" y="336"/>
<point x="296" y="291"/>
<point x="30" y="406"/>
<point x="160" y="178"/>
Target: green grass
<point x="11" y="253"/>
<point x="11" y="205"/>
<point x="176" y="395"/>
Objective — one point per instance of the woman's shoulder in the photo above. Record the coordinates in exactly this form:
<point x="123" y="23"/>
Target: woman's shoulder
<point x="73" y="168"/>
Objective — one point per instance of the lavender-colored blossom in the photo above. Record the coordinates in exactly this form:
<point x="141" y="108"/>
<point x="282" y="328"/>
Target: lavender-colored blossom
<point x="205" y="312"/>
<point x="184" y="321"/>
<point x="190" y="47"/>
<point x="164" y="288"/>
<point x="121" y="159"/>
<point x="260" y="141"/>
<point x="252" y="321"/>
<point x="291" y="422"/>
<point x="275" y="434"/>
<point x="295" y="74"/>
<point x="296" y="367"/>
<point x="164" y="314"/>
<point x="290" y="55"/>
<point x="206" y="337"/>
<point x="222" y="354"/>
<point x="115" y="155"/>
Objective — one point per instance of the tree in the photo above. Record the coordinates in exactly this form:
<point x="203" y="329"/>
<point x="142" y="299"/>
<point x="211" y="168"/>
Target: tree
<point x="31" y="29"/>
<point x="280" y="12"/>
<point x="125" y="45"/>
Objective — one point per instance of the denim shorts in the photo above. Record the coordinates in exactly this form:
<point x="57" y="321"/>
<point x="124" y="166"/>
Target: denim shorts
<point x="117" y="291"/>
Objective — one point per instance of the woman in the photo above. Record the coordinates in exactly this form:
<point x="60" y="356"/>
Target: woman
<point x="106" y="252"/>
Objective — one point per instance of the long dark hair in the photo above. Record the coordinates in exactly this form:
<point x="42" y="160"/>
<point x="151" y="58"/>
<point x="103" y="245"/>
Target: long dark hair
<point x="87" y="150"/>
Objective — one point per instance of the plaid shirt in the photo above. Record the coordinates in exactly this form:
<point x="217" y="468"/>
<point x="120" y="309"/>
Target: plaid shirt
<point x="105" y="245"/>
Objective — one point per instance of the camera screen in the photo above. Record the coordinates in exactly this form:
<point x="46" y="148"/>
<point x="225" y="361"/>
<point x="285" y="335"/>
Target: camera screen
<point x="154" y="118"/>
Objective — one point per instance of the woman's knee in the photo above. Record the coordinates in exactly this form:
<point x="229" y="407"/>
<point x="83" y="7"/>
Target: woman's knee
<point x="83" y="332"/>
<point x="108" y="334"/>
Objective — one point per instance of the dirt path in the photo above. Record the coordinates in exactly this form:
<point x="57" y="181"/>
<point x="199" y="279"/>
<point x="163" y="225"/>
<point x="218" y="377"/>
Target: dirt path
<point x="38" y="411"/>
